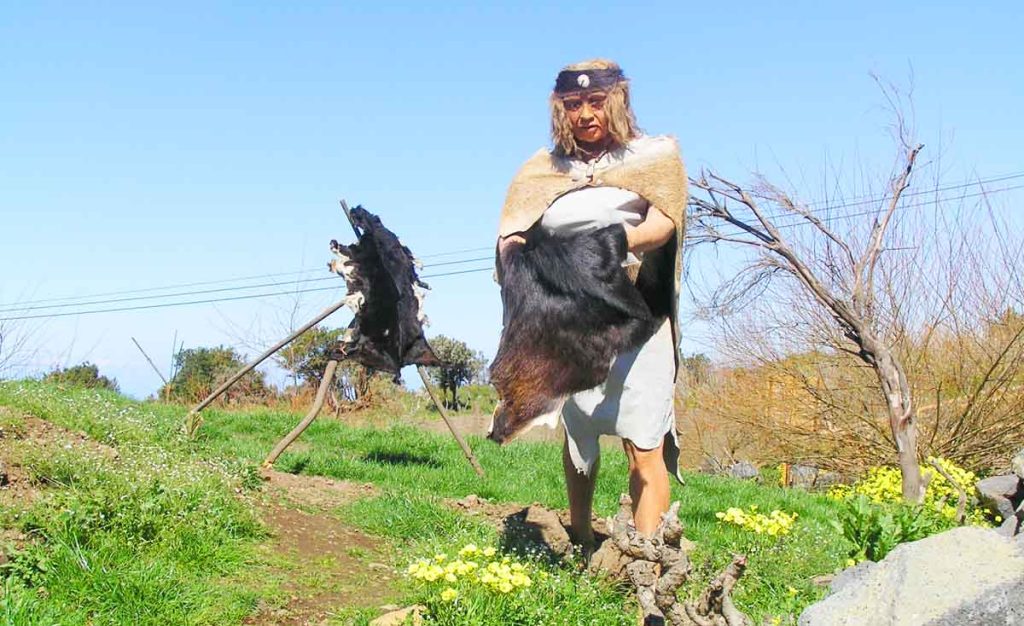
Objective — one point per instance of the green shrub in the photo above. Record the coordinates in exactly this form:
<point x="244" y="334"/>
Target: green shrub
<point x="875" y="529"/>
<point x="875" y="518"/>
<point x="198" y="371"/>
<point x="883" y="485"/>
<point x="84" y="375"/>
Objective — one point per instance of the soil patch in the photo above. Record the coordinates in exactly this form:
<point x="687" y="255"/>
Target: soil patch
<point x="329" y="566"/>
<point x="315" y="491"/>
<point x="25" y="431"/>
<point x="533" y="527"/>
<point x="334" y="568"/>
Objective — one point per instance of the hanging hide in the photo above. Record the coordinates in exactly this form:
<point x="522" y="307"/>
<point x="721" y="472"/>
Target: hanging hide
<point x="386" y="296"/>
<point x="569" y="309"/>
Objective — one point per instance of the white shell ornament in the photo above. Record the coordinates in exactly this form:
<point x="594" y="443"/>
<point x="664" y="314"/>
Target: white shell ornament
<point x="583" y="81"/>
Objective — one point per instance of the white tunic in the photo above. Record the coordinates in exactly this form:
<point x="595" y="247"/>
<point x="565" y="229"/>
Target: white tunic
<point x="636" y="401"/>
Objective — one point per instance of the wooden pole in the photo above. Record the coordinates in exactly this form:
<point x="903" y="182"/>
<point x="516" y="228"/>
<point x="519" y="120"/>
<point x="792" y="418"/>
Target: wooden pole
<point x="318" y="403"/>
<point x="466" y="450"/>
<point x="192" y="421"/>
<point x="167" y="387"/>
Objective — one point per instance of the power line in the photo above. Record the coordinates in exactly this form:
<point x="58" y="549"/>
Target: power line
<point x="78" y="300"/>
<point x="483" y="269"/>
<point x="82" y="300"/>
<point x="872" y="200"/>
<point x="467" y="250"/>
<point x="861" y="200"/>
<point x="834" y="218"/>
<point x="22" y="309"/>
<point x="212" y="300"/>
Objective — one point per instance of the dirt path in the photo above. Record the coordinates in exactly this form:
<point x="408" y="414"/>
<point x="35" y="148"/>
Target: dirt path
<point x="325" y="566"/>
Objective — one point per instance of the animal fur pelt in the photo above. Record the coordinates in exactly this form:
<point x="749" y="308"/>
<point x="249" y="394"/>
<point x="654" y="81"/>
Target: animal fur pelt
<point x="649" y="166"/>
<point x="569" y="309"/>
<point x="385" y="294"/>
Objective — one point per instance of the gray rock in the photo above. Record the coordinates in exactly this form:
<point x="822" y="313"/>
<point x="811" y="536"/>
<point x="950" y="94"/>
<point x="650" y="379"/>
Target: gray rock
<point x="963" y="576"/>
<point x="744" y="470"/>
<point x="1018" y="465"/>
<point x="810" y="477"/>
<point x="802" y="476"/>
<point x="852" y="576"/>
<point x="1001" y="494"/>
<point x="1009" y="527"/>
<point x="999" y="606"/>
<point x="711" y="465"/>
<point x="826" y="479"/>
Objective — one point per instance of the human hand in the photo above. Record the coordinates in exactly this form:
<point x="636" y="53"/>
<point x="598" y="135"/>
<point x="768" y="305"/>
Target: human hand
<point x="505" y="243"/>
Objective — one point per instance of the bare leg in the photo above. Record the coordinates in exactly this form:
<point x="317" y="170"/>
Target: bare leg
<point x="581" y="497"/>
<point x="648" y="486"/>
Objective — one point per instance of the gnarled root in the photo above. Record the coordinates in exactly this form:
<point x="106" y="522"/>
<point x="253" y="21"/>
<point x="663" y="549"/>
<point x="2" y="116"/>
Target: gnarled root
<point x="658" y="566"/>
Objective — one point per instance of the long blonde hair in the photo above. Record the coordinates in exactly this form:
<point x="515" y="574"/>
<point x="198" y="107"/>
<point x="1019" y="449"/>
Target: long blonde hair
<point x="622" y="124"/>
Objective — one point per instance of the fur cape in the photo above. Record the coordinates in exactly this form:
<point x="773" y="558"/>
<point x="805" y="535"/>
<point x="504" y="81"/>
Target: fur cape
<point x="650" y="167"/>
<point x="569" y="309"/>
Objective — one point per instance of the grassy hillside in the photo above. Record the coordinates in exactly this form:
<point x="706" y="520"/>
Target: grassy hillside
<point x="165" y="532"/>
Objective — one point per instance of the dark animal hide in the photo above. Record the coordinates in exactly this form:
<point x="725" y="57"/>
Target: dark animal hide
<point x="385" y="294"/>
<point x="569" y="309"/>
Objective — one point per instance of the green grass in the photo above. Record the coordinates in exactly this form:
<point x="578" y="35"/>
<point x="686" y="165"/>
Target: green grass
<point x="143" y="538"/>
<point x="415" y="470"/>
<point x="417" y="467"/>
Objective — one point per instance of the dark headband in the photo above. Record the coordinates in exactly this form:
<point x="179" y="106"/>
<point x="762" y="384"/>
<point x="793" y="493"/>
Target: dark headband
<point x="578" y="80"/>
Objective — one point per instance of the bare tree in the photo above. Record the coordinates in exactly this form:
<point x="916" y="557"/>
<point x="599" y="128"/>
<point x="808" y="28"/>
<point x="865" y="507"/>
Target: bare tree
<point x="834" y="267"/>
<point x="15" y="349"/>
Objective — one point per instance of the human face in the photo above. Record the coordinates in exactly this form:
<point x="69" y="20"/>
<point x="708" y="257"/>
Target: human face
<point x="587" y="116"/>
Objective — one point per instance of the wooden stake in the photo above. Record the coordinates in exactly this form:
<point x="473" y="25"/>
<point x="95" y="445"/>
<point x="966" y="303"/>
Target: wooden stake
<point x="192" y="421"/>
<point x="466" y="450"/>
<point x="318" y="403"/>
<point x="167" y="388"/>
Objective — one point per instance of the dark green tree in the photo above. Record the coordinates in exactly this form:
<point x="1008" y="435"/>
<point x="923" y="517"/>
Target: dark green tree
<point x="307" y="356"/>
<point x="82" y="375"/>
<point x="461" y="366"/>
<point x="198" y="371"/>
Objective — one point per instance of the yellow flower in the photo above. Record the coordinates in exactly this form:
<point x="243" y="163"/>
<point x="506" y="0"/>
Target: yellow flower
<point x="469" y="550"/>
<point x="775" y="523"/>
<point x="450" y="577"/>
<point x="489" y="552"/>
<point x="792" y="591"/>
<point x="504" y="586"/>
<point x="440" y="557"/>
<point x="449" y="594"/>
<point x="432" y="573"/>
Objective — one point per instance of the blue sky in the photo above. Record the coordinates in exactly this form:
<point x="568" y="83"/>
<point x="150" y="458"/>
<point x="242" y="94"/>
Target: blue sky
<point x="143" y="146"/>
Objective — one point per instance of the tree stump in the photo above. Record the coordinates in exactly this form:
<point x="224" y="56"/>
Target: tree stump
<point x="658" y="566"/>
